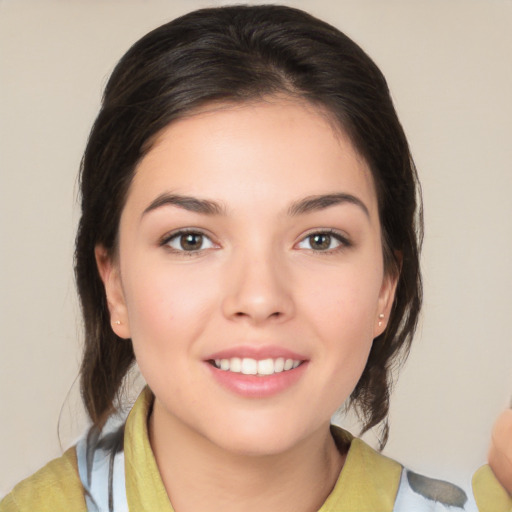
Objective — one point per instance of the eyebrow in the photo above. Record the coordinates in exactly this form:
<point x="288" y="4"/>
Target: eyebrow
<point x="208" y="207"/>
<point x="192" y="204"/>
<point x="320" y="202"/>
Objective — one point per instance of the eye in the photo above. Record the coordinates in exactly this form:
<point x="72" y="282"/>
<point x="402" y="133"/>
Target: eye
<point x="323" y="241"/>
<point x="188" y="241"/>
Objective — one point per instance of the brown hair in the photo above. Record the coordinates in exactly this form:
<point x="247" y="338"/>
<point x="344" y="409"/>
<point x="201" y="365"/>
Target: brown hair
<point x="236" y="54"/>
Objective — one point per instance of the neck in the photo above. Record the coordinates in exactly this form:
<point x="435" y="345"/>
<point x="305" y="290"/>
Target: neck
<point x="199" y="475"/>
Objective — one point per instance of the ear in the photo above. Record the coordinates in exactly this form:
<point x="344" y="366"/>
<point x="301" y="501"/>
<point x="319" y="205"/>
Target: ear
<point x="110" y="275"/>
<point x="385" y="302"/>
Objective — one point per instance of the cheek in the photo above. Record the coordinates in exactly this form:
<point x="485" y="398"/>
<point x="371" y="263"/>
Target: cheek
<point x="347" y="326"/>
<point x="166" y="308"/>
<point x="344" y="301"/>
<point x="342" y="309"/>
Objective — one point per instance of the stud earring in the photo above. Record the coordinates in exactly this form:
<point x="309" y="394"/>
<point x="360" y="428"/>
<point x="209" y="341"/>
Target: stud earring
<point x="118" y="322"/>
<point x="381" y="317"/>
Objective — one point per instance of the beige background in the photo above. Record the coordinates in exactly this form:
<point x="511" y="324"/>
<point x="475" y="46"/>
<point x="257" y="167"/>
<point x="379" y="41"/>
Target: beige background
<point x="449" y="65"/>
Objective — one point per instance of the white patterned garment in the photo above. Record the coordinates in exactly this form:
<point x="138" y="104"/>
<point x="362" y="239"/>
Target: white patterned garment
<point x="419" y="493"/>
<point x="101" y="469"/>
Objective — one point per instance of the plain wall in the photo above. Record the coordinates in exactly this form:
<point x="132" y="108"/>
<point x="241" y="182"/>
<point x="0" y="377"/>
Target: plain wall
<point x="449" y="66"/>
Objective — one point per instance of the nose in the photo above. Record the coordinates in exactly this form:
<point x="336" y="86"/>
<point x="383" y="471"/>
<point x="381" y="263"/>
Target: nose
<point x="258" y="290"/>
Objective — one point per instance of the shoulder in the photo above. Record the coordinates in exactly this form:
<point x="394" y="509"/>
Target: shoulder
<point x="371" y="481"/>
<point x="368" y="479"/>
<point x="490" y="496"/>
<point x="55" y="487"/>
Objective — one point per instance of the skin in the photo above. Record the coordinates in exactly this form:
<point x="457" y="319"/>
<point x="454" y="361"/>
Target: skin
<point x="500" y="453"/>
<point x="256" y="281"/>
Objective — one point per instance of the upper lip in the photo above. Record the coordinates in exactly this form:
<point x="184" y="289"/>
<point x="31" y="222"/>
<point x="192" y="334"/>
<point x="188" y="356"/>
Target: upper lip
<point x="258" y="353"/>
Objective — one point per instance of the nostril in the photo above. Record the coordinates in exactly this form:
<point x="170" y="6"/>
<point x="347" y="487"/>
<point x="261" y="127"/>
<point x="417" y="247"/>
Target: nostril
<point x="275" y="314"/>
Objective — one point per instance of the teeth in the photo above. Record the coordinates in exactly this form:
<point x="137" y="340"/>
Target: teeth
<point x="235" y="364"/>
<point x="279" y="365"/>
<point x="262" y="367"/>
<point x="288" y="364"/>
<point x="266" y="367"/>
<point x="249" y="366"/>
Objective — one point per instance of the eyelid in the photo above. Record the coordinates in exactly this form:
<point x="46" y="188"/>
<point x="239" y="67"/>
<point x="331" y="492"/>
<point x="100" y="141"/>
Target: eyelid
<point x="340" y="236"/>
<point x="164" y="240"/>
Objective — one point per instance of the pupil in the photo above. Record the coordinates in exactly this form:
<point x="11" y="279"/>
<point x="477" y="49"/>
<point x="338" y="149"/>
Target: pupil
<point x="191" y="241"/>
<point x="321" y="242"/>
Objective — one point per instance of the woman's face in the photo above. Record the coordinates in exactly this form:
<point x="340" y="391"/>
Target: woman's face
<point x="250" y="274"/>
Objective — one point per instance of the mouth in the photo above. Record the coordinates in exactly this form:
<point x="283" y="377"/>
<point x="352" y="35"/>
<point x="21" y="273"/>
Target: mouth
<point x="257" y="373"/>
<point x="257" y="367"/>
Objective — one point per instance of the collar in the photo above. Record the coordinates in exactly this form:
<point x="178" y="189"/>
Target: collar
<point x="144" y="487"/>
<point x="368" y="480"/>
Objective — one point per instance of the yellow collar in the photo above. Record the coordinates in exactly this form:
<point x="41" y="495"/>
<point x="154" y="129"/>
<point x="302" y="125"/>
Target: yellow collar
<point x="368" y="481"/>
<point x="144" y="487"/>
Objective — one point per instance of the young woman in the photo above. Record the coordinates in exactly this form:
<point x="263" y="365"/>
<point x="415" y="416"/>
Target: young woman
<point x="250" y="237"/>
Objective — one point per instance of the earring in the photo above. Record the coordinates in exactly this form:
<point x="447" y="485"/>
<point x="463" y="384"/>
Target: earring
<point x="381" y="317"/>
<point x="118" y="322"/>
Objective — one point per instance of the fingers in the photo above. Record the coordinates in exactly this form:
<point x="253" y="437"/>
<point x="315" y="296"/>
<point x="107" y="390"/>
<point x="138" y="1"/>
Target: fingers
<point x="500" y="453"/>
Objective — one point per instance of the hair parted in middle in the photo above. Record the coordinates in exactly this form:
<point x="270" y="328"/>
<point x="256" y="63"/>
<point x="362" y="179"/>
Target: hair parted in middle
<point x="230" y="55"/>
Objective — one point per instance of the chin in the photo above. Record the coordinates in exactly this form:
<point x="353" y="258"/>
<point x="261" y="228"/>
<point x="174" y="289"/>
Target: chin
<point x="258" y="439"/>
<point x="256" y="446"/>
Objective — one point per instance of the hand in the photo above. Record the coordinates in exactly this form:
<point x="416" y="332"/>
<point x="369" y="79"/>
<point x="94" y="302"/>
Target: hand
<point x="500" y="453"/>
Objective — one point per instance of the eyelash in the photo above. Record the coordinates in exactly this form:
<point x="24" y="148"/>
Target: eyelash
<point x="176" y="235"/>
<point x="343" y="242"/>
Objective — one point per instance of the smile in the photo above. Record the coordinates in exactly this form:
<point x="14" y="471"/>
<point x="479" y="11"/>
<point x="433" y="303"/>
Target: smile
<point x="262" y="367"/>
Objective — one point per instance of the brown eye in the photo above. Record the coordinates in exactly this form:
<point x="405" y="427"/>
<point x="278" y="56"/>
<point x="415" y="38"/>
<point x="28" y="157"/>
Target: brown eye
<point x="188" y="241"/>
<point x="191" y="241"/>
<point x="320" y="242"/>
<point x="323" y="241"/>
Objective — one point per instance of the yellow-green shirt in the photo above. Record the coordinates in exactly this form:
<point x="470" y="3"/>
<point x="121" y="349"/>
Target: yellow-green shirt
<point x="368" y="482"/>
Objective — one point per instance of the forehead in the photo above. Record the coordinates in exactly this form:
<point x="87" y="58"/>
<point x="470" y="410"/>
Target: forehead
<point x="277" y="149"/>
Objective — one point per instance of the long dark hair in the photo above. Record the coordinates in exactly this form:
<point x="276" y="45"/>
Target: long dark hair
<point x="235" y="54"/>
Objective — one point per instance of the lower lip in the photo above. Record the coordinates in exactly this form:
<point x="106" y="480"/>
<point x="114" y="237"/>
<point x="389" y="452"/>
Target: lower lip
<point x="252" y="386"/>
